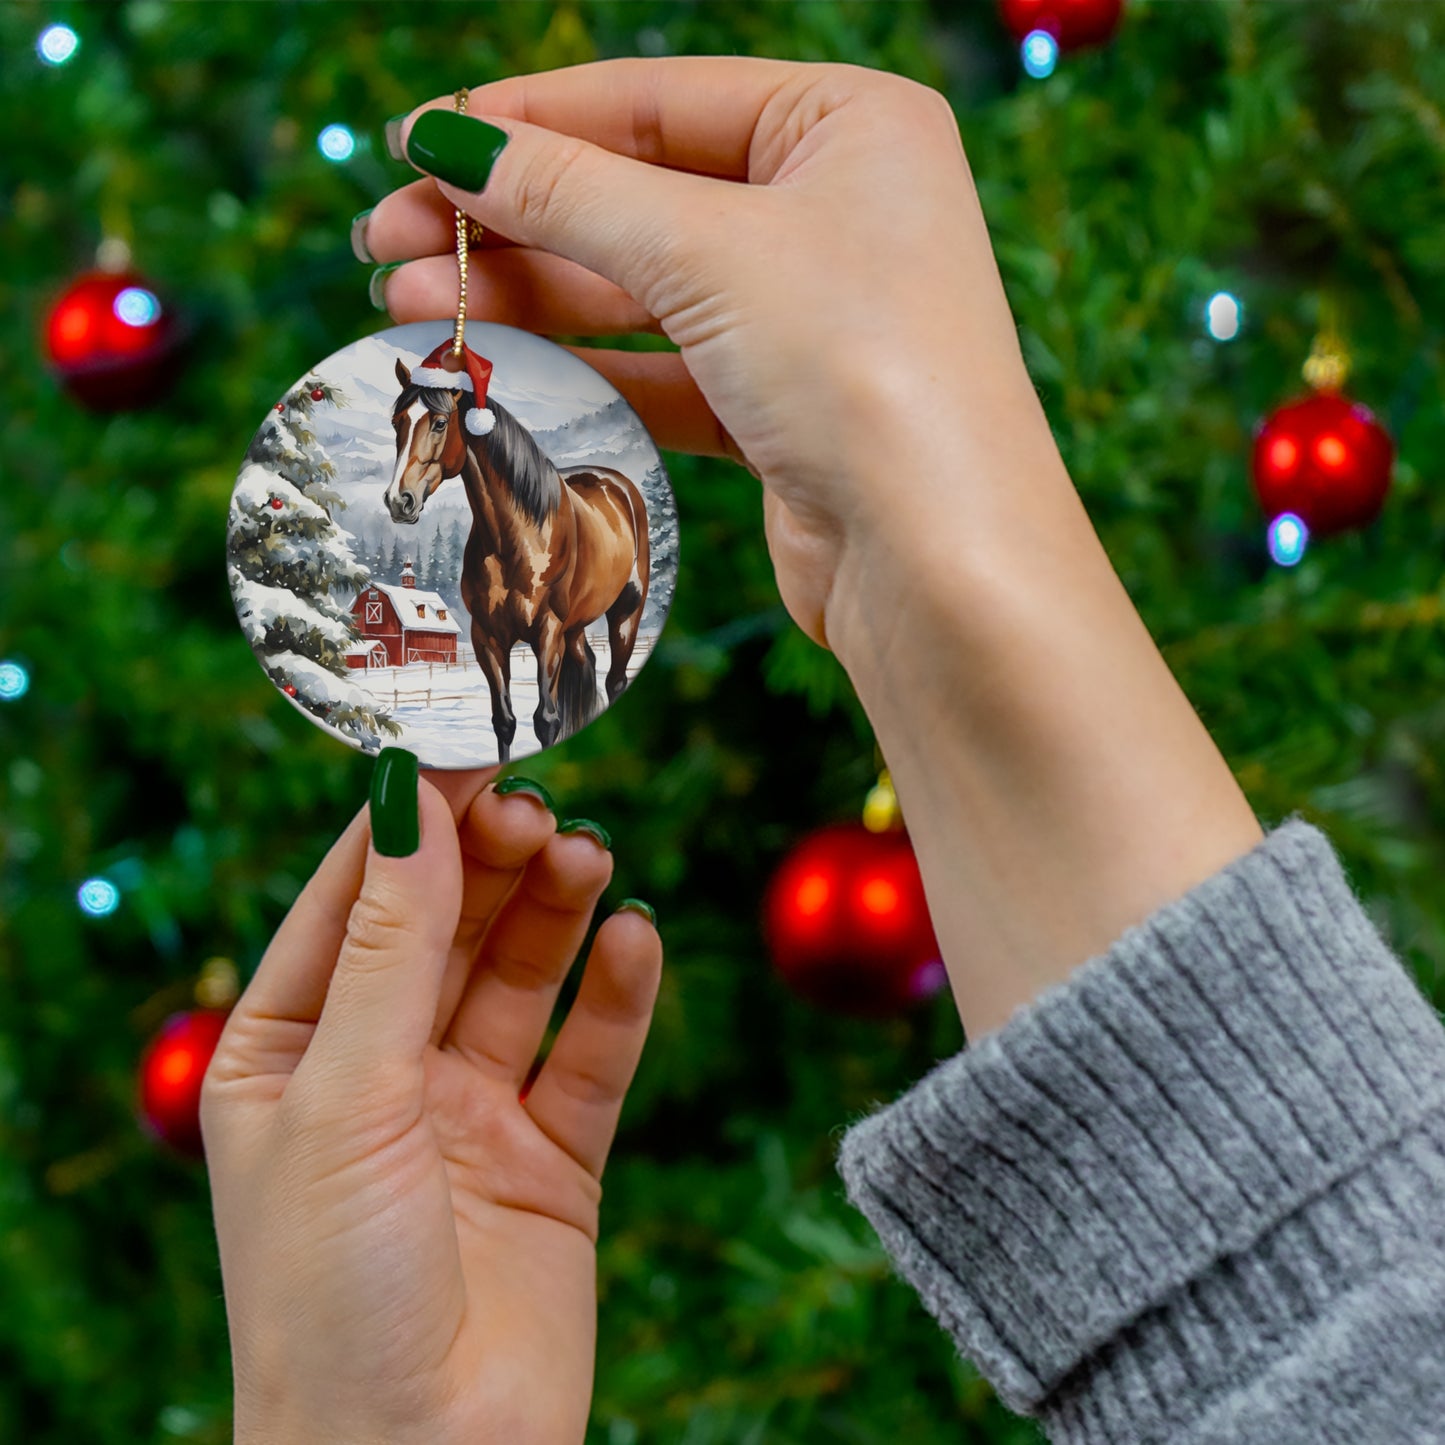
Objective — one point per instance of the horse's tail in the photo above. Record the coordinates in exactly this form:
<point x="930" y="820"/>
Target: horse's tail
<point x="577" y="689"/>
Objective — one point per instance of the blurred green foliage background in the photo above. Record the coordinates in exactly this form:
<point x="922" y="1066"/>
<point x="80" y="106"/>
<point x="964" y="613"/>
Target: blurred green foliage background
<point x="1285" y="152"/>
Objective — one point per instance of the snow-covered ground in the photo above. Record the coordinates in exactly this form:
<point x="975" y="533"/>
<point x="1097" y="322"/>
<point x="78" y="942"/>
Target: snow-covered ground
<point x="454" y="730"/>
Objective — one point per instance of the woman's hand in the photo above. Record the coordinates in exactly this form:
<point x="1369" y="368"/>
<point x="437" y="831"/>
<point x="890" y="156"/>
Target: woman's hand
<point x="810" y="237"/>
<point x="408" y="1248"/>
<point x="829" y="313"/>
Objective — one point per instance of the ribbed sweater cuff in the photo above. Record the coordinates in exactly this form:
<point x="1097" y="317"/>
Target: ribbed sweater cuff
<point x="1138" y="1169"/>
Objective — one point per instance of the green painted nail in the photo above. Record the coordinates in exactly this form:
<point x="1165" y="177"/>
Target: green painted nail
<point x="393" y="136"/>
<point x="395" y="826"/>
<point x="509" y="786"/>
<point x="455" y="148"/>
<point x="376" y="287"/>
<point x="636" y="905"/>
<point x="586" y="825"/>
<point x="359" y="248"/>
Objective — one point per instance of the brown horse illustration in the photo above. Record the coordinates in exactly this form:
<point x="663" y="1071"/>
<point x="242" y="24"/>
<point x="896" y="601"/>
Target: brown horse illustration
<point x="550" y="552"/>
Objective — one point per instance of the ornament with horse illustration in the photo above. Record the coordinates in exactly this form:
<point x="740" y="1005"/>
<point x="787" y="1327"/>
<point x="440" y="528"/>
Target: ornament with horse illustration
<point x="551" y="551"/>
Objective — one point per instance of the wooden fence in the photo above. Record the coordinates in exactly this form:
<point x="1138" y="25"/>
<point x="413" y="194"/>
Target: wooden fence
<point x="428" y="695"/>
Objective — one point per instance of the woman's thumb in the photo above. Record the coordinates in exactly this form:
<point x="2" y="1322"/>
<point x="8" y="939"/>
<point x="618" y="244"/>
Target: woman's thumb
<point x="382" y="1000"/>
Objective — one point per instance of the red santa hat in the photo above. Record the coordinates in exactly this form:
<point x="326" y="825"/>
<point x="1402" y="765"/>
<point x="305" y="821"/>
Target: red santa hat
<point x="479" y="417"/>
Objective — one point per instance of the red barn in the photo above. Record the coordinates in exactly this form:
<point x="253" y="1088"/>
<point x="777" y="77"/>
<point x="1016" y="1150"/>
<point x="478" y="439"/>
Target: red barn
<point x="402" y="625"/>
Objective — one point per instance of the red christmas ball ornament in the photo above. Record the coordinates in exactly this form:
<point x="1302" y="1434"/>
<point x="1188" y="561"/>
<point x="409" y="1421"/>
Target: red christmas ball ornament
<point x="1073" y="23"/>
<point x="1326" y="459"/>
<point x="111" y="341"/>
<point x="277" y="504"/>
<point x="289" y="689"/>
<point x="847" y="924"/>
<point x="171" y="1071"/>
<point x="318" y="395"/>
<point x="280" y="406"/>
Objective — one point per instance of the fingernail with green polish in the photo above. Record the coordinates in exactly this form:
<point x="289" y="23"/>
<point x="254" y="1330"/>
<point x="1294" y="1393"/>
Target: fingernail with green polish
<point x="636" y="905"/>
<point x="359" y="248"/>
<point x="393" y="136"/>
<point x="455" y="148"/>
<point x="508" y="786"/>
<point x="586" y="825"/>
<point x="395" y="826"/>
<point x="376" y="287"/>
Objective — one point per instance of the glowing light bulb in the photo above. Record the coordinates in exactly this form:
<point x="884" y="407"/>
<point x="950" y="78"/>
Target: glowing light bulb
<point x="1288" y="537"/>
<point x="57" y="44"/>
<point x="1223" y="316"/>
<point x="137" y="307"/>
<point x="336" y="143"/>
<point x="14" y="681"/>
<point x="930" y="977"/>
<point x="1040" y="53"/>
<point x="98" y="897"/>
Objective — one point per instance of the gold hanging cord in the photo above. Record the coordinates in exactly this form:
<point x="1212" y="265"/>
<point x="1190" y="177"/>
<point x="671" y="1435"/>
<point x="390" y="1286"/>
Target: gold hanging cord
<point x="469" y="233"/>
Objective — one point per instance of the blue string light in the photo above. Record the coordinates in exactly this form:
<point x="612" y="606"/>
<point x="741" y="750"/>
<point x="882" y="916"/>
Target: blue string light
<point x="57" y="44"/>
<point x="98" y="897"/>
<point x="1040" y="52"/>
<point x="1288" y="538"/>
<point x="14" y="681"/>
<point x="336" y="143"/>
<point x="137" y="307"/>
<point x="1223" y="316"/>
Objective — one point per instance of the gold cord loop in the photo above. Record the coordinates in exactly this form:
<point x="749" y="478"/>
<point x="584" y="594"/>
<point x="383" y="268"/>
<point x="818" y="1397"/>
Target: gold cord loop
<point x="469" y="233"/>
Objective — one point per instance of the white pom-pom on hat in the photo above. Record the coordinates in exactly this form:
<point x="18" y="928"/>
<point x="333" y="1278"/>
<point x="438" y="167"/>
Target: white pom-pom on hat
<point x="480" y="420"/>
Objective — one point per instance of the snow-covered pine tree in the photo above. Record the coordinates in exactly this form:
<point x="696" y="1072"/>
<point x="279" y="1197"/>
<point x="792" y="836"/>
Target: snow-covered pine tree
<point x="286" y="443"/>
<point x="662" y="537"/>
<point x="288" y="561"/>
<point x="374" y="554"/>
<point x="456" y="547"/>
<point x="394" y="564"/>
<point x="454" y="544"/>
<point x="436" y="563"/>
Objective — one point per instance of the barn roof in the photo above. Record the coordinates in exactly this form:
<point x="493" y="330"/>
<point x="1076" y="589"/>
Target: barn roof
<point x="407" y="599"/>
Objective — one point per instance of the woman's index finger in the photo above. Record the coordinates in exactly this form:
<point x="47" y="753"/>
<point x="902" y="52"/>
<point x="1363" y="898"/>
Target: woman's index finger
<point x="695" y="113"/>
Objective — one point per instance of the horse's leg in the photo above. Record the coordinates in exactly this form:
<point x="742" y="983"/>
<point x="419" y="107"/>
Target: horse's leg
<point x="624" y="617"/>
<point x="496" y="660"/>
<point x="549" y="646"/>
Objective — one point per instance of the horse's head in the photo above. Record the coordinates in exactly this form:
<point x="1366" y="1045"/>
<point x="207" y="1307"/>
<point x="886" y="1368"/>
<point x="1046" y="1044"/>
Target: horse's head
<point x="429" y="445"/>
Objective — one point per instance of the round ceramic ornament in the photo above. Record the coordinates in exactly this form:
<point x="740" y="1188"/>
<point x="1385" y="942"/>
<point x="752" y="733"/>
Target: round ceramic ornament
<point x="466" y="553"/>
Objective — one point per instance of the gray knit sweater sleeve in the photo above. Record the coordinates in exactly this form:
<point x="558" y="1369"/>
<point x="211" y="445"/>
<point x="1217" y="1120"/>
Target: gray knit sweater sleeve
<point x="1197" y="1191"/>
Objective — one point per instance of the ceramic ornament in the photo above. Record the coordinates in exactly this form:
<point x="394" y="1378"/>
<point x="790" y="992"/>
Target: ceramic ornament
<point x="467" y="554"/>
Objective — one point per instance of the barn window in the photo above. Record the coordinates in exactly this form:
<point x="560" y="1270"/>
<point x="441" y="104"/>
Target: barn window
<point x="442" y="613"/>
<point x="421" y="609"/>
<point x="373" y="595"/>
<point x="373" y="613"/>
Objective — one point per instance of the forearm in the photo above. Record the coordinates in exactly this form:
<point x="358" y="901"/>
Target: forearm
<point x="1056" y="782"/>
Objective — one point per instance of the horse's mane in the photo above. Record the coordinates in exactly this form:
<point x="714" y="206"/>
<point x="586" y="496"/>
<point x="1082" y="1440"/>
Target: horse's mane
<point x="535" y="483"/>
<point x="511" y="450"/>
